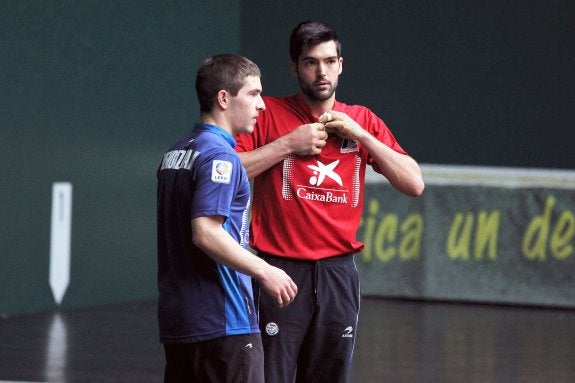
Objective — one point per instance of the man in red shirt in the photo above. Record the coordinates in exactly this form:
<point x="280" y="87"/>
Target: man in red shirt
<point x="308" y="156"/>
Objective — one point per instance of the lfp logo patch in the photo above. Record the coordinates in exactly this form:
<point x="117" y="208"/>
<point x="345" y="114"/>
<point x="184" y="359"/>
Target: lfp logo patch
<point x="221" y="171"/>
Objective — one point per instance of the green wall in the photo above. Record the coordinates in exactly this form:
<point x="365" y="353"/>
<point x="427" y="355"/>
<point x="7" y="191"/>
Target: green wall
<point x="92" y="93"/>
<point x="475" y="82"/>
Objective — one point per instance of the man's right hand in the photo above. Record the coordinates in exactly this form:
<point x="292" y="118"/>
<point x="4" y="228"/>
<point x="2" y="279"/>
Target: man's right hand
<point x="308" y="139"/>
<point x="279" y="285"/>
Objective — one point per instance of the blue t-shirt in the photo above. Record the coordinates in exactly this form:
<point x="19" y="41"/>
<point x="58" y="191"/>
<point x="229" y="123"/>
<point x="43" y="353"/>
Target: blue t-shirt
<point x="201" y="175"/>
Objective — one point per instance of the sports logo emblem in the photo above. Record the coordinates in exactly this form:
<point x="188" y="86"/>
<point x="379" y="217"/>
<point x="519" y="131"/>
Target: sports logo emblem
<point x="348" y="332"/>
<point x="321" y="171"/>
<point x="221" y="171"/>
<point x="272" y="329"/>
<point x="314" y="180"/>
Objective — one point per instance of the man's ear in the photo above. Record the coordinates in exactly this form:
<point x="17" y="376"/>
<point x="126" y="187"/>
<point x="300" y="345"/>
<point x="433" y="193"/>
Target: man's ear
<point x="293" y="68"/>
<point x="223" y="99"/>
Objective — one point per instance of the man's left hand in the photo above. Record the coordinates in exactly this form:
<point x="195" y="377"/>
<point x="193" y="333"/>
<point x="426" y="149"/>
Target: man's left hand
<point x="341" y="124"/>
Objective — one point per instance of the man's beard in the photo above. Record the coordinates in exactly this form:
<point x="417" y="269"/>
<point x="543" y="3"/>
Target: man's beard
<point x="315" y="95"/>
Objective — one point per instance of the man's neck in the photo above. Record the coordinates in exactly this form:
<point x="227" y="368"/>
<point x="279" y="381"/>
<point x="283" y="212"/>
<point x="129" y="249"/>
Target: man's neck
<point x="317" y="107"/>
<point x="211" y="119"/>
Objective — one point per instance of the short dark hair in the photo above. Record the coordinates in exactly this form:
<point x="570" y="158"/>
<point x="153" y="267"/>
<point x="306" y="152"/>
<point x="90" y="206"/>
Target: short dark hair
<point x="310" y="33"/>
<point x="222" y="72"/>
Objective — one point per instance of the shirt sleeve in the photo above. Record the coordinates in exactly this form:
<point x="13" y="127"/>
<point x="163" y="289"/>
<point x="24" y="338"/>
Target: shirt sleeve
<point x="376" y="127"/>
<point x="217" y="180"/>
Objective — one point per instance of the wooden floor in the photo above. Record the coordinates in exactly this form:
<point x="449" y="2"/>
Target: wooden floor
<point x="397" y="341"/>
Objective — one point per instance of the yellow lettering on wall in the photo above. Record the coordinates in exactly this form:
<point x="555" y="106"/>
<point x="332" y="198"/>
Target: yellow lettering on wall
<point x="541" y="233"/>
<point x="386" y="231"/>
<point x="387" y="238"/>
<point x="369" y="228"/>
<point x="412" y="229"/>
<point x="535" y="238"/>
<point x="562" y="235"/>
<point x="459" y="236"/>
<point x="486" y="234"/>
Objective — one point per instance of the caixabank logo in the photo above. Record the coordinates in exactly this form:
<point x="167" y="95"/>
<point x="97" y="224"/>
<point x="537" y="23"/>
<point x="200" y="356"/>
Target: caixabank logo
<point x="322" y="181"/>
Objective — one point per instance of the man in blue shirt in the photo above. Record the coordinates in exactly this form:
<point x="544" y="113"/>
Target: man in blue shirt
<point x="206" y="312"/>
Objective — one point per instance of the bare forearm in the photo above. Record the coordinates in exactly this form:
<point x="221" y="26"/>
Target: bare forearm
<point x="212" y="239"/>
<point x="222" y="248"/>
<point x="259" y="160"/>
<point x="307" y="139"/>
<point x="401" y="170"/>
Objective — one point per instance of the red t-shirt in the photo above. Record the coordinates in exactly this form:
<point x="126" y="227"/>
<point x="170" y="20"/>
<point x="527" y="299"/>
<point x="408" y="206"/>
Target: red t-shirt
<point x="309" y="207"/>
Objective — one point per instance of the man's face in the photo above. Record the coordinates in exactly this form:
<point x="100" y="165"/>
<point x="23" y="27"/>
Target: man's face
<point x="246" y="106"/>
<point x="318" y="70"/>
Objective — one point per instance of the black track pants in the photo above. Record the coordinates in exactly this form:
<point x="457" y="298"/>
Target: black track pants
<point x="315" y="335"/>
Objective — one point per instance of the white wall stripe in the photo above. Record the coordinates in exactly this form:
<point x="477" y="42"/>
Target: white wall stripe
<point x="490" y="176"/>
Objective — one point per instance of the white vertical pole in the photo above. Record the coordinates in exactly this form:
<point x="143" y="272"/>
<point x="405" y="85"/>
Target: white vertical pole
<point x="60" y="239"/>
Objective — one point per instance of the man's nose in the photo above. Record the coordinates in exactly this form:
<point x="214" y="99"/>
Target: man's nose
<point x="261" y="104"/>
